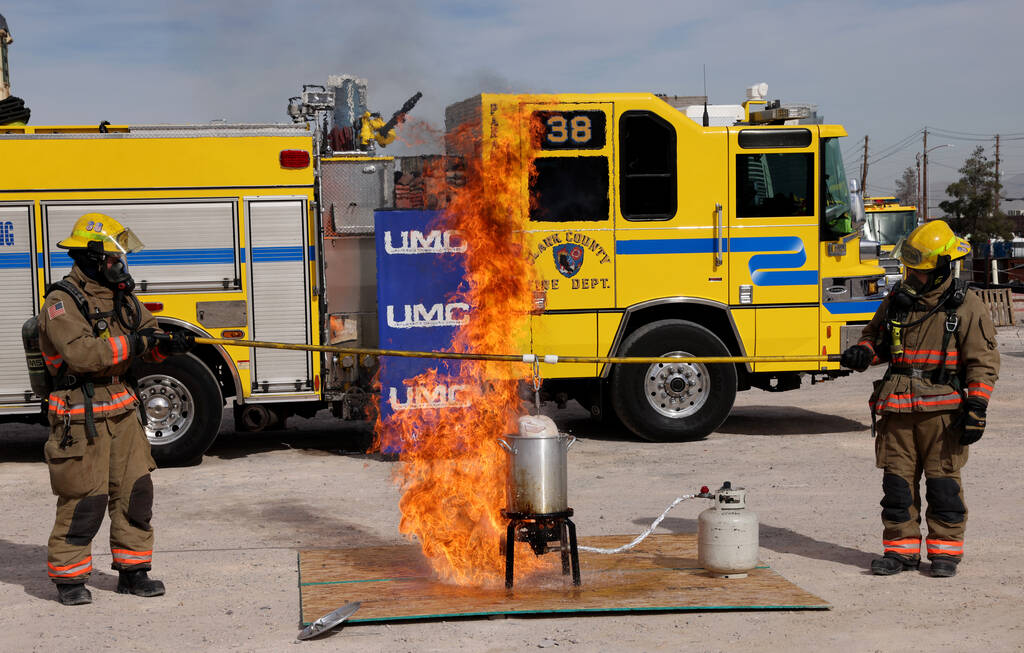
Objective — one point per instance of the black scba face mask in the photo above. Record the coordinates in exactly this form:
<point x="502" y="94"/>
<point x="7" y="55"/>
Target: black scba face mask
<point x="904" y="297"/>
<point x="910" y="288"/>
<point x="116" y="275"/>
<point x="94" y="265"/>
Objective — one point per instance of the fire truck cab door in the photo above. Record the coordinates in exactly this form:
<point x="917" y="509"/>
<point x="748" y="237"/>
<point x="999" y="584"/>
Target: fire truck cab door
<point x="773" y="218"/>
<point x="670" y="227"/>
<point x="279" y="294"/>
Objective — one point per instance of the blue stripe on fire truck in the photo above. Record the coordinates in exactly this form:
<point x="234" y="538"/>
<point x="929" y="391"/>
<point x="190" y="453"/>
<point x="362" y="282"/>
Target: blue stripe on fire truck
<point x="766" y="269"/>
<point x="13" y="260"/>
<point x="276" y="254"/>
<point x="842" y="308"/>
<point x="204" y="256"/>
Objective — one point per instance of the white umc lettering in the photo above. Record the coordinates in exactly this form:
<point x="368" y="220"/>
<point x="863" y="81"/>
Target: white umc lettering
<point x="435" y="242"/>
<point x="418" y="315"/>
<point x="420" y="396"/>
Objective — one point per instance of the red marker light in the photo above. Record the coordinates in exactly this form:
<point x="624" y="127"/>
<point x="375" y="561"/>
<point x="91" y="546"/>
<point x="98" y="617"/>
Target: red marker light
<point x="294" y="159"/>
<point x="154" y="307"/>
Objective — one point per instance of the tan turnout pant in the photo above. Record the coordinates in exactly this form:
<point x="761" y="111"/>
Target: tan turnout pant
<point x="110" y="473"/>
<point x="909" y="445"/>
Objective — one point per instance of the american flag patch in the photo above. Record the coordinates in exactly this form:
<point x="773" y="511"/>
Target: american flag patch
<point x="56" y="310"/>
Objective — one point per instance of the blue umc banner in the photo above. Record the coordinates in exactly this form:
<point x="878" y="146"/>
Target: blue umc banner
<point x="420" y="266"/>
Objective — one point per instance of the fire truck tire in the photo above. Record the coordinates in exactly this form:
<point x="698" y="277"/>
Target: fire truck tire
<point x="184" y="407"/>
<point x="672" y="402"/>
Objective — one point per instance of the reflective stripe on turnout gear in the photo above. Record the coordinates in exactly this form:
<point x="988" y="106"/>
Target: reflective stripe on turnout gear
<point x="129" y="557"/>
<point x="922" y="356"/>
<point x="71" y="571"/>
<point x="60" y="408"/>
<point x="908" y="546"/>
<point x="871" y="346"/>
<point x="979" y="389"/>
<point x="120" y="350"/>
<point x="945" y="547"/>
<point x="53" y="362"/>
<point x="904" y="401"/>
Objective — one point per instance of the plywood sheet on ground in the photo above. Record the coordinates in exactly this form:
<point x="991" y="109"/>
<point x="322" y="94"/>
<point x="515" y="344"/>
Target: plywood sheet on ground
<point x="660" y="574"/>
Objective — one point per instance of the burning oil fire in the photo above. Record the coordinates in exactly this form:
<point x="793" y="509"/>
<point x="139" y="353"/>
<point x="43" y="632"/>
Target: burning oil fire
<point x="453" y="472"/>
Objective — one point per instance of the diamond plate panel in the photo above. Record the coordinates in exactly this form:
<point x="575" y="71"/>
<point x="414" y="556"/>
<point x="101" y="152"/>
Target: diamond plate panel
<point x="352" y="190"/>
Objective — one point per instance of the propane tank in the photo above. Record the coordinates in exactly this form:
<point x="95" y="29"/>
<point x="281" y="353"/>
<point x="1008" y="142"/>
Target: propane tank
<point x="727" y="534"/>
<point x="38" y="377"/>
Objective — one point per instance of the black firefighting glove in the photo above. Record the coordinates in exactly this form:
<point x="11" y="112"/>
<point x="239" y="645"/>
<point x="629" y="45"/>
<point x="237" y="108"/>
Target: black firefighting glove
<point x="973" y="421"/>
<point x="178" y="342"/>
<point x="857" y="358"/>
<point x="142" y="341"/>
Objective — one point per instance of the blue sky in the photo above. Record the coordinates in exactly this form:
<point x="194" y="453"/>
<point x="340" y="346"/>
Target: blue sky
<point x="882" y="69"/>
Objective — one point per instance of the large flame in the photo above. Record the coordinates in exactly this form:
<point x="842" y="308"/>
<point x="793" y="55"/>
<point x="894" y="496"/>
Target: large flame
<point x="452" y="470"/>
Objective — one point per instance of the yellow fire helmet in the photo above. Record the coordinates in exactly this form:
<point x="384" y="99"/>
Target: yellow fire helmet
<point x="109" y="235"/>
<point x="929" y="242"/>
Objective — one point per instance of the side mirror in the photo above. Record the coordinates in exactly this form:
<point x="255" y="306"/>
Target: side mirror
<point x="856" y="204"/>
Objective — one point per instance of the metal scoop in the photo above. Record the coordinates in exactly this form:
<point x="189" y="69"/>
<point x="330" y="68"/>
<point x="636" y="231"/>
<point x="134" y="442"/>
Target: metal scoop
<point x="329" y="620"/>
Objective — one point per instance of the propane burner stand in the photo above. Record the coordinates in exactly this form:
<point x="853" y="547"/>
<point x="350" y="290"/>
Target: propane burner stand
<point x="540" y="530"/>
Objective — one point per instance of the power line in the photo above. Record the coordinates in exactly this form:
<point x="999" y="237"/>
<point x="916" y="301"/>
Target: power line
<point x="899" y="146"/>
<point x="961" y="133"/>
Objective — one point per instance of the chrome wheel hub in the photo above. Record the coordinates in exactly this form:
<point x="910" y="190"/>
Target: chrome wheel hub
<point x="169" y="406"/>
<point x="676" y="390"/>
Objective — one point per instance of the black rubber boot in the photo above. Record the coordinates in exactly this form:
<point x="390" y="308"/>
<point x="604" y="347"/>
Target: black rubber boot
<point x="138" y="583"/>
<point x="73" y="594"/>
<point x="893" y="563"/>
<point x="944" y="567"/>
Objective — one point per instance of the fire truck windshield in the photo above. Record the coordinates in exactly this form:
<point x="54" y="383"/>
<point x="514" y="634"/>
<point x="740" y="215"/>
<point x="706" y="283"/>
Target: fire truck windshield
<point x="889" y="227"/>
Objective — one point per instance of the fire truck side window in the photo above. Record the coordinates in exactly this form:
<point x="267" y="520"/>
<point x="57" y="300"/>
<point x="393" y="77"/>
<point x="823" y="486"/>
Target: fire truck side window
<point x="647" y="176"/>
<point x="774" y="185"/>
<point x="569" y="189"/>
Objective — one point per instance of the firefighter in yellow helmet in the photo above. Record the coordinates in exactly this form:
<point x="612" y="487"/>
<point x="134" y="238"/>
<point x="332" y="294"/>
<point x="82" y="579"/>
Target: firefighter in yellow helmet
<point x="91" y="328"/>
<point x="940" y="345"/>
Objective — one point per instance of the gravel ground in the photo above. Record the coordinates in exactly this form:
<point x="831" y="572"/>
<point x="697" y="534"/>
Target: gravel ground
<point x="228" y="531"/>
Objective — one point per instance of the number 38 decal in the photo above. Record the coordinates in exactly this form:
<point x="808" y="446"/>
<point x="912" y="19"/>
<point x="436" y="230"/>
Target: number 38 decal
<point x="578" y="129"/>
<point x="570" y="130"/>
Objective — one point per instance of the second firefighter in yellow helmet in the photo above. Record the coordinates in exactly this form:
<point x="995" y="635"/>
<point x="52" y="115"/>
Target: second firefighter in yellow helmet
<point x="928" y="244"/>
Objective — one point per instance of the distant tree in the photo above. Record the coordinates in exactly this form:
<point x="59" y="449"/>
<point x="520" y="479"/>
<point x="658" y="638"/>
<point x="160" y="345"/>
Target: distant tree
<point x="972" y="209"/>
<point x="906" y="187"/>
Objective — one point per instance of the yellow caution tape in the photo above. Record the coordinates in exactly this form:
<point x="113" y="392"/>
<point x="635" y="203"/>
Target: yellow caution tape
<point x="519" y="358"/>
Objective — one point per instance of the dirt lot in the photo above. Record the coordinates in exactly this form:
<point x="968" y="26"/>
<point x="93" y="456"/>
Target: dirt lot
<point x="228" y="532"/>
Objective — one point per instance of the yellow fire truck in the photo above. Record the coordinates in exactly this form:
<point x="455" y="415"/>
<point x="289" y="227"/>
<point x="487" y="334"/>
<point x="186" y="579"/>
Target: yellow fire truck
<point x="887" y="222"/>
<point x="652" y="235"/>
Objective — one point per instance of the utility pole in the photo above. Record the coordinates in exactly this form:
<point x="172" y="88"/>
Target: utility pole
<point x="917" y="193"/>
<point x="924" y="187"/>
<point x="864" y="170"/>
<point x="996" y="189"/>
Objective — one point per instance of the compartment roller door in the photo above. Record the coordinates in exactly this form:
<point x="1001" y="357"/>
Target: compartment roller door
<point x="17" y="300"/>
<point x="279" y="294"/>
